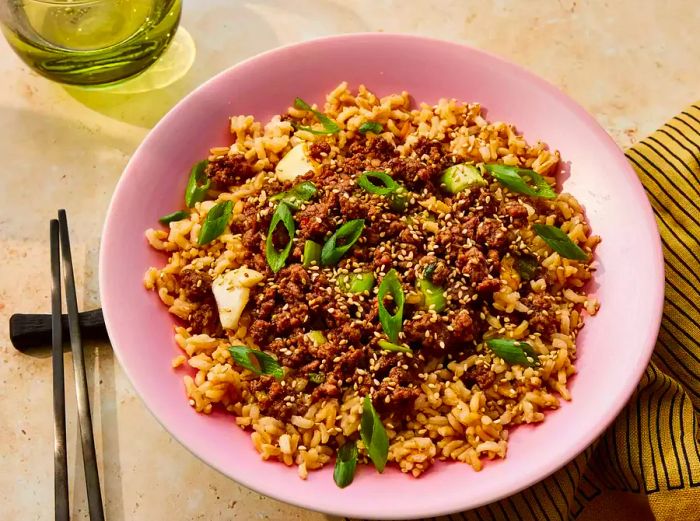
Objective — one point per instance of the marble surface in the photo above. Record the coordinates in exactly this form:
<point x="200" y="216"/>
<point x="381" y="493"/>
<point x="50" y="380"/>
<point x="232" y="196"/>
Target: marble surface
<point x="631" y="64"/>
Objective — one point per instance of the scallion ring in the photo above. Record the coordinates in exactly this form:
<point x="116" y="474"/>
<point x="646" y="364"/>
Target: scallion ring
<point x="391" y="323"/>
<point x="513" y="351"/>
<point x="374" y="435"/>
<point x="559" y="242"/>
<point x="366" y="181"/>
<point x="515" y="179"/>
<point x="256" y="361"/>
<point x="215" y="222"/>
<point x="174" y="217"/>
<point x="329" y="126"/>
<point x="276" y="258"/>
<point x="371" y="126"/>
<point x="341" y="241"/>
<point x="297" y="196"/>
<point x="198" y="184"/>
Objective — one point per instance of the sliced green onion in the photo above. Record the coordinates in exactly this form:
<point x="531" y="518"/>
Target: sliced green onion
<point x="390" y="346"/>
<point x="347" y="234"/>
<point x="371" y="126"/>
<point x="374" y="435"/>
<point x="256" y="361"/>
<point x="356" y="282"/>
<point x="329" y="126"/>
<point x="433" y="295"/>
<point x="513" y="351"/>
<point x="317" y="337"/>
<point x="173" y="217"/>
<point x="297" y="196"/>
<point x="215" y="222"/>
<point x="526" y="266"/>
<point x="366" y="181"/>
<point x="515" y="179"/>
<point x="312" y="253"/>
<point x="560" y="242"/>
<point x="391" y="324"/>
<point x="345" y="463"/>
<point x="277" y="258"/>
<point x="316" y="378"/>
<point x="429" y="271"/>
<point x="198" y="184"/>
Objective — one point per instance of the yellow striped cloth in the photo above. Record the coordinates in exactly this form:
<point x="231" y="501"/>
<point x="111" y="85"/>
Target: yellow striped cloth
<point x="647" y="464"/>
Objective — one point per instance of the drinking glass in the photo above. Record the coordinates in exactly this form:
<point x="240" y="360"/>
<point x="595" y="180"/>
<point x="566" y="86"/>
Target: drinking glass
<point x="89" y="42"/>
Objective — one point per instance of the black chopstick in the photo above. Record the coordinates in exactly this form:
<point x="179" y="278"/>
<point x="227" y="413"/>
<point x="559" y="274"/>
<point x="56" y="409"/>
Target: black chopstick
<point x="60" y="463"/>
<point x="92" y="478"/>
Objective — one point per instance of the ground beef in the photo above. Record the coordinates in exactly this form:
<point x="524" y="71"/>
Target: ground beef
<point x="448" y="237"/>
<point x="314" y="220"/>
<point x="293" y="283"/>
<point x="485" y="204"/>
<point x="379" y="148"/>
<point x="479" y="375"/>
<point x="408" y="236"/>
<point x="470" y="227"/>
<point x="397" y="392"/>
<point x="425" y="333"/>
<point x="472" y="263"/>
<point x="274" y="399"/>
<point x="492" y="233"/>
<point x="285" y="321"/>
<point x="318" y="150"/>
<point x="463" y="326"/>
<point x="493" y="258"/>
<point x="414" y="174"/>
<point x="542" y="318"/>
<point x="488" y="286"/>
<point x="378" y="231"/>
<point x="196" y="285"/>
<point x="376" y="148"/>
<point x="348" y="362"/>
<point x="358" y="207"/>
<point x="230" y="170"/>
<point x="428" y="150"/>
<point x="247" y="220"/>
<point x="205" y="319"/>
<point x="259" y="331"/>
<point x="384" y="364"/>
<point x="311" y="367"/>
<point x="440" y="274"/>
<point x="517" y="213"/>
<point x="328" y="389"/>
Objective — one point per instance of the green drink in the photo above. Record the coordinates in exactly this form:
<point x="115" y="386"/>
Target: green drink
<point x="89" y="42"/>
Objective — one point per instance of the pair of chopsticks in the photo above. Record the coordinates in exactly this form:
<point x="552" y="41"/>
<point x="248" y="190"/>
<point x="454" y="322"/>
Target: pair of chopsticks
<point x="60" y="249"/>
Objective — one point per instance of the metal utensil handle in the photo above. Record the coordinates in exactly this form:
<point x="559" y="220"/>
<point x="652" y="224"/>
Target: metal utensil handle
<point x="92" y="478"/>
<point x="60" y="462"/>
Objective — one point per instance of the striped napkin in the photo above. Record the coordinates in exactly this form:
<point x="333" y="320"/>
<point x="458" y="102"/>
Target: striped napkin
<point x="647" y="464"/>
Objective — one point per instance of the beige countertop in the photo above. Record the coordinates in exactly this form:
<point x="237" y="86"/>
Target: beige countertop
<point x="631" y="64"/>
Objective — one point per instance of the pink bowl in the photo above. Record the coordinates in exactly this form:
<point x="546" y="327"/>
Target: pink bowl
<point x="614" y="347"/>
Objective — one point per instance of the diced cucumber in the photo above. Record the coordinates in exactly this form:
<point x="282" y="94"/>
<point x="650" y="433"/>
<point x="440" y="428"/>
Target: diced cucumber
<point x="398" y="200"/>
<point x="356" y="282"/>
<point x="312" y="254"/>
<point x="526" y="267"/>
<point x="433" y="296"/>
<point x="316" y="378"/>
<point x="460" y="177"/>
<point x="317" y="337"/>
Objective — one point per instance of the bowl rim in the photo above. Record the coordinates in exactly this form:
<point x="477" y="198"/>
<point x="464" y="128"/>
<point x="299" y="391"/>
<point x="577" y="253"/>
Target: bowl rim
<point x="626" y="389"/>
